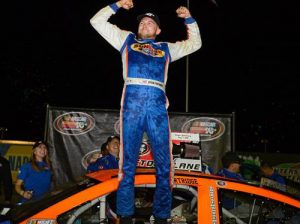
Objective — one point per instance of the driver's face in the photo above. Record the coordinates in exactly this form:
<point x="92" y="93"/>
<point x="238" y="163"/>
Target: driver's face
<point x="148" y="29"/>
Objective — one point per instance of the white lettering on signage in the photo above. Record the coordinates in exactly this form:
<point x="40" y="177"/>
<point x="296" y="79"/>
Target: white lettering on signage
<point x="212" y="205"/>
<point x="188" y="164"/>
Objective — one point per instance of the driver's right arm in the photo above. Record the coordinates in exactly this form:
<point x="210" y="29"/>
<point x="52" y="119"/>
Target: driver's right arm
<point x="111" y="33"/>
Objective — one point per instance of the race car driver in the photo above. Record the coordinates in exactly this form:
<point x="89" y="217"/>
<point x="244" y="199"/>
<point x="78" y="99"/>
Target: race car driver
<point x="144" y="102"/>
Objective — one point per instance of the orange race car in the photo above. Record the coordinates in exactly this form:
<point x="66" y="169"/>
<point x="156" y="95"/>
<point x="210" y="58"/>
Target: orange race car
<point x="197" y="198"/>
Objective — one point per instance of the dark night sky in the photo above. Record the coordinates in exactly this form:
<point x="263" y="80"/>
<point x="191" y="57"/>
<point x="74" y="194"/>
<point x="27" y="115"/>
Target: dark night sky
<point x="248" y="64"/>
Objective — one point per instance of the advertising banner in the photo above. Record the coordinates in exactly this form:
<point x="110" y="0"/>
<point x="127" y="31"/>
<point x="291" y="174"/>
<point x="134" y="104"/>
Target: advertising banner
<point x="75" y="136"/>
<point x="17" y="153"/>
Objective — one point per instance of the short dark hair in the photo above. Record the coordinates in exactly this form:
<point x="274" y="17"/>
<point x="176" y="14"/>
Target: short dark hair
<point x="265" y="164"/>
<point x="229" y="158"/>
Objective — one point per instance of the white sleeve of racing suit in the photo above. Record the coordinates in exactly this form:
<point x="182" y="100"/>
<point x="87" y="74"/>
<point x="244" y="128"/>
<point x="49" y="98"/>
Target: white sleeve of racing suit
<point x="111" y="33"/>
<point x="188" y="46"/>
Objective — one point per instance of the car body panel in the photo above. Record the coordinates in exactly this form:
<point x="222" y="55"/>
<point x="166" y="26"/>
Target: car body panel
<point x="208" y="187"/>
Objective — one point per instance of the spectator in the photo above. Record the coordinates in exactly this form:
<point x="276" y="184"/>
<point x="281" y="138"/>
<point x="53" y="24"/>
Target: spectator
<point x="93" y="156"/>
<point x="34" y="178"/>
<point x="231" y="166"/>
<point x="268" y="172"/>
<point x="109" y="161"/>
<point x="104" y="150"/>
<point x="6" y="179"/>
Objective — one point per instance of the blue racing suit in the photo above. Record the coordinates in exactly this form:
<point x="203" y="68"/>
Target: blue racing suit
<point x="144" y="106"/>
